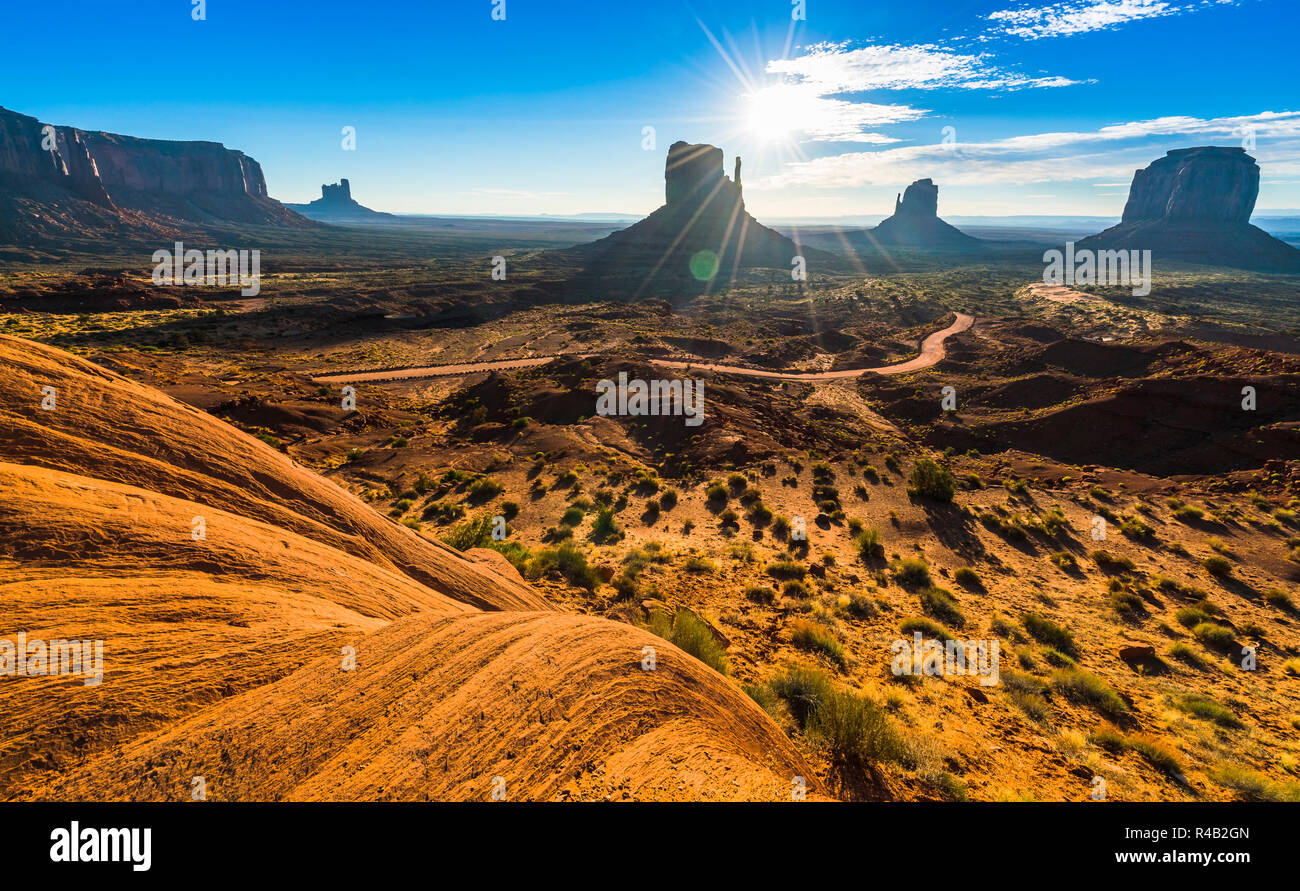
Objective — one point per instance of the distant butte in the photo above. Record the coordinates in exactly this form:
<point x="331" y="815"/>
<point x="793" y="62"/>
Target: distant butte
<point x="336" y="204"/>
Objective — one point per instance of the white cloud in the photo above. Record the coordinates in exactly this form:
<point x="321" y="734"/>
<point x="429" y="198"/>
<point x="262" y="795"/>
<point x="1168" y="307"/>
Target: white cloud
<point x="1047" y="157"/>
<point x="1085" y="16"/>
<point x="831" y="68"/>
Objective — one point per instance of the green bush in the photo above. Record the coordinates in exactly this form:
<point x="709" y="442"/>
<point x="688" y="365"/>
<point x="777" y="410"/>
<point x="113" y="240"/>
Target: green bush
<point x="968" y="578"/>
<point x="855" y="730"/>
<point x="816" y="638"/>
<point x="787" y="569"/>
<point x="1215" y="636"/>
<point x="569" y="562"/>
<point x="940" y="603"/>
<point x="802" y="688"/>
<point x="1208" y="709"/>
<point x="1048" y="632"/>
<point x="1088" y="689"/>
<point x="688" y="633"/>
<point x="930" y="480"/>
<point x="913" y="572"/>
<point x="869" y="545"/>
<point x="1217" y="566"/>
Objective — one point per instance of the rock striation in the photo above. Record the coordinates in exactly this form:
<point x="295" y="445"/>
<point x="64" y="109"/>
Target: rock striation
<point x="60" y="180"/>
<point x="1194" y="204"/>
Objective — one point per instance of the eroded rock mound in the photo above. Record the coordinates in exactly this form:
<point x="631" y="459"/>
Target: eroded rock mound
<point x="230" y="587"/>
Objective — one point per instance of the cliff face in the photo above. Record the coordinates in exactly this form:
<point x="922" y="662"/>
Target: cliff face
<point x="692" y="173"/>
<point x="1210" y="184"/>
<point x="920" y="199"/>
<point x="1194" y="205"/>
<point x="61" y="179"/>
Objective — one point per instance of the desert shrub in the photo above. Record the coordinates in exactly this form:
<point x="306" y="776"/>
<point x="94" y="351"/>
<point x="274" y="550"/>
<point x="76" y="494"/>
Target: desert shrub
<point x="686" y="632"/>
<point x="854" y="729"/>
<point x="509" y="509"/>
<point x="1048" y="632"/>
<point x="1032" y="704"/>
<point x="443" y="512"/>
<point x="1190" y="616"/>
<point x="1215" y="636"/>
<point x="860" y="606"/>
<point x="968" y="578"/>
<point x="780" y="527"/>
<point x="668" y="500"/>
<point x="1217" y="566"/>
<point x="1208" y="709"/>
<point x="736" y="482"/>
<point x="760" y="594"/>
<point x="1185" y="653"/>
<point x="606" y="527"/>
<point x="1111" y="562"/>
<point x="787" y="569"/>
<point x="869" y="544"/>
<point x="1056" y="658"/>
<point x="931" y="480"/>
<point x="912" y="572"/>
<point x="1064" y="561"/>
<point x="940" y="603"/>
<point x="484" y="489"/>
<point x="566" y="560"/>
<point x="796" y="589"/>
<point x="1156" y="753"/>
<point x="1086" y="688"/>
<point x="816" y="638"/>
<point x="1134" y="527"/>
<point x="573" y="516"/>
<point x="697" y="564"/>
<point x="760" y="514"/>
<point x="1125" y="602"/>
<point x="927" y="629"/>
<point x="1253" y="786"/>
<point x="717" y="493"/>
<point x="802" y="688"/>
<point x="1280" y="599"/>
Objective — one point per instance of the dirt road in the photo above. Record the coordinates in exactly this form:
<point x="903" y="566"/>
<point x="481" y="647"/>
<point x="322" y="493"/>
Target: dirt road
<point x="932" y="352"/>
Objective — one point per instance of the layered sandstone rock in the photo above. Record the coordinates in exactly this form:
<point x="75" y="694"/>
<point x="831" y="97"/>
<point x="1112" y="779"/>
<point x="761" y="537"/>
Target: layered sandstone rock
<point x="916" y="224"/>
<point x="336" y="204"/>
<point x="60" y="179"/>
<point x="1194" y="205"/>
<point x="699" y="239"/>
<point x="1209" y="184"/>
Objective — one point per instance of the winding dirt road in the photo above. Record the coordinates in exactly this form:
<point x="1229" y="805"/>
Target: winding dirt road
<point x="932" y="352"/>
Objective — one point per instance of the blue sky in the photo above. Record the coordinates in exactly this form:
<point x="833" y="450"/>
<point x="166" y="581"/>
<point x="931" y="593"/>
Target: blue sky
<point x="1051" y="105"/>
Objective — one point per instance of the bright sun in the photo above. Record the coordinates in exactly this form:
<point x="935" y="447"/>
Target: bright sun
<point x="775" y="112"/>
